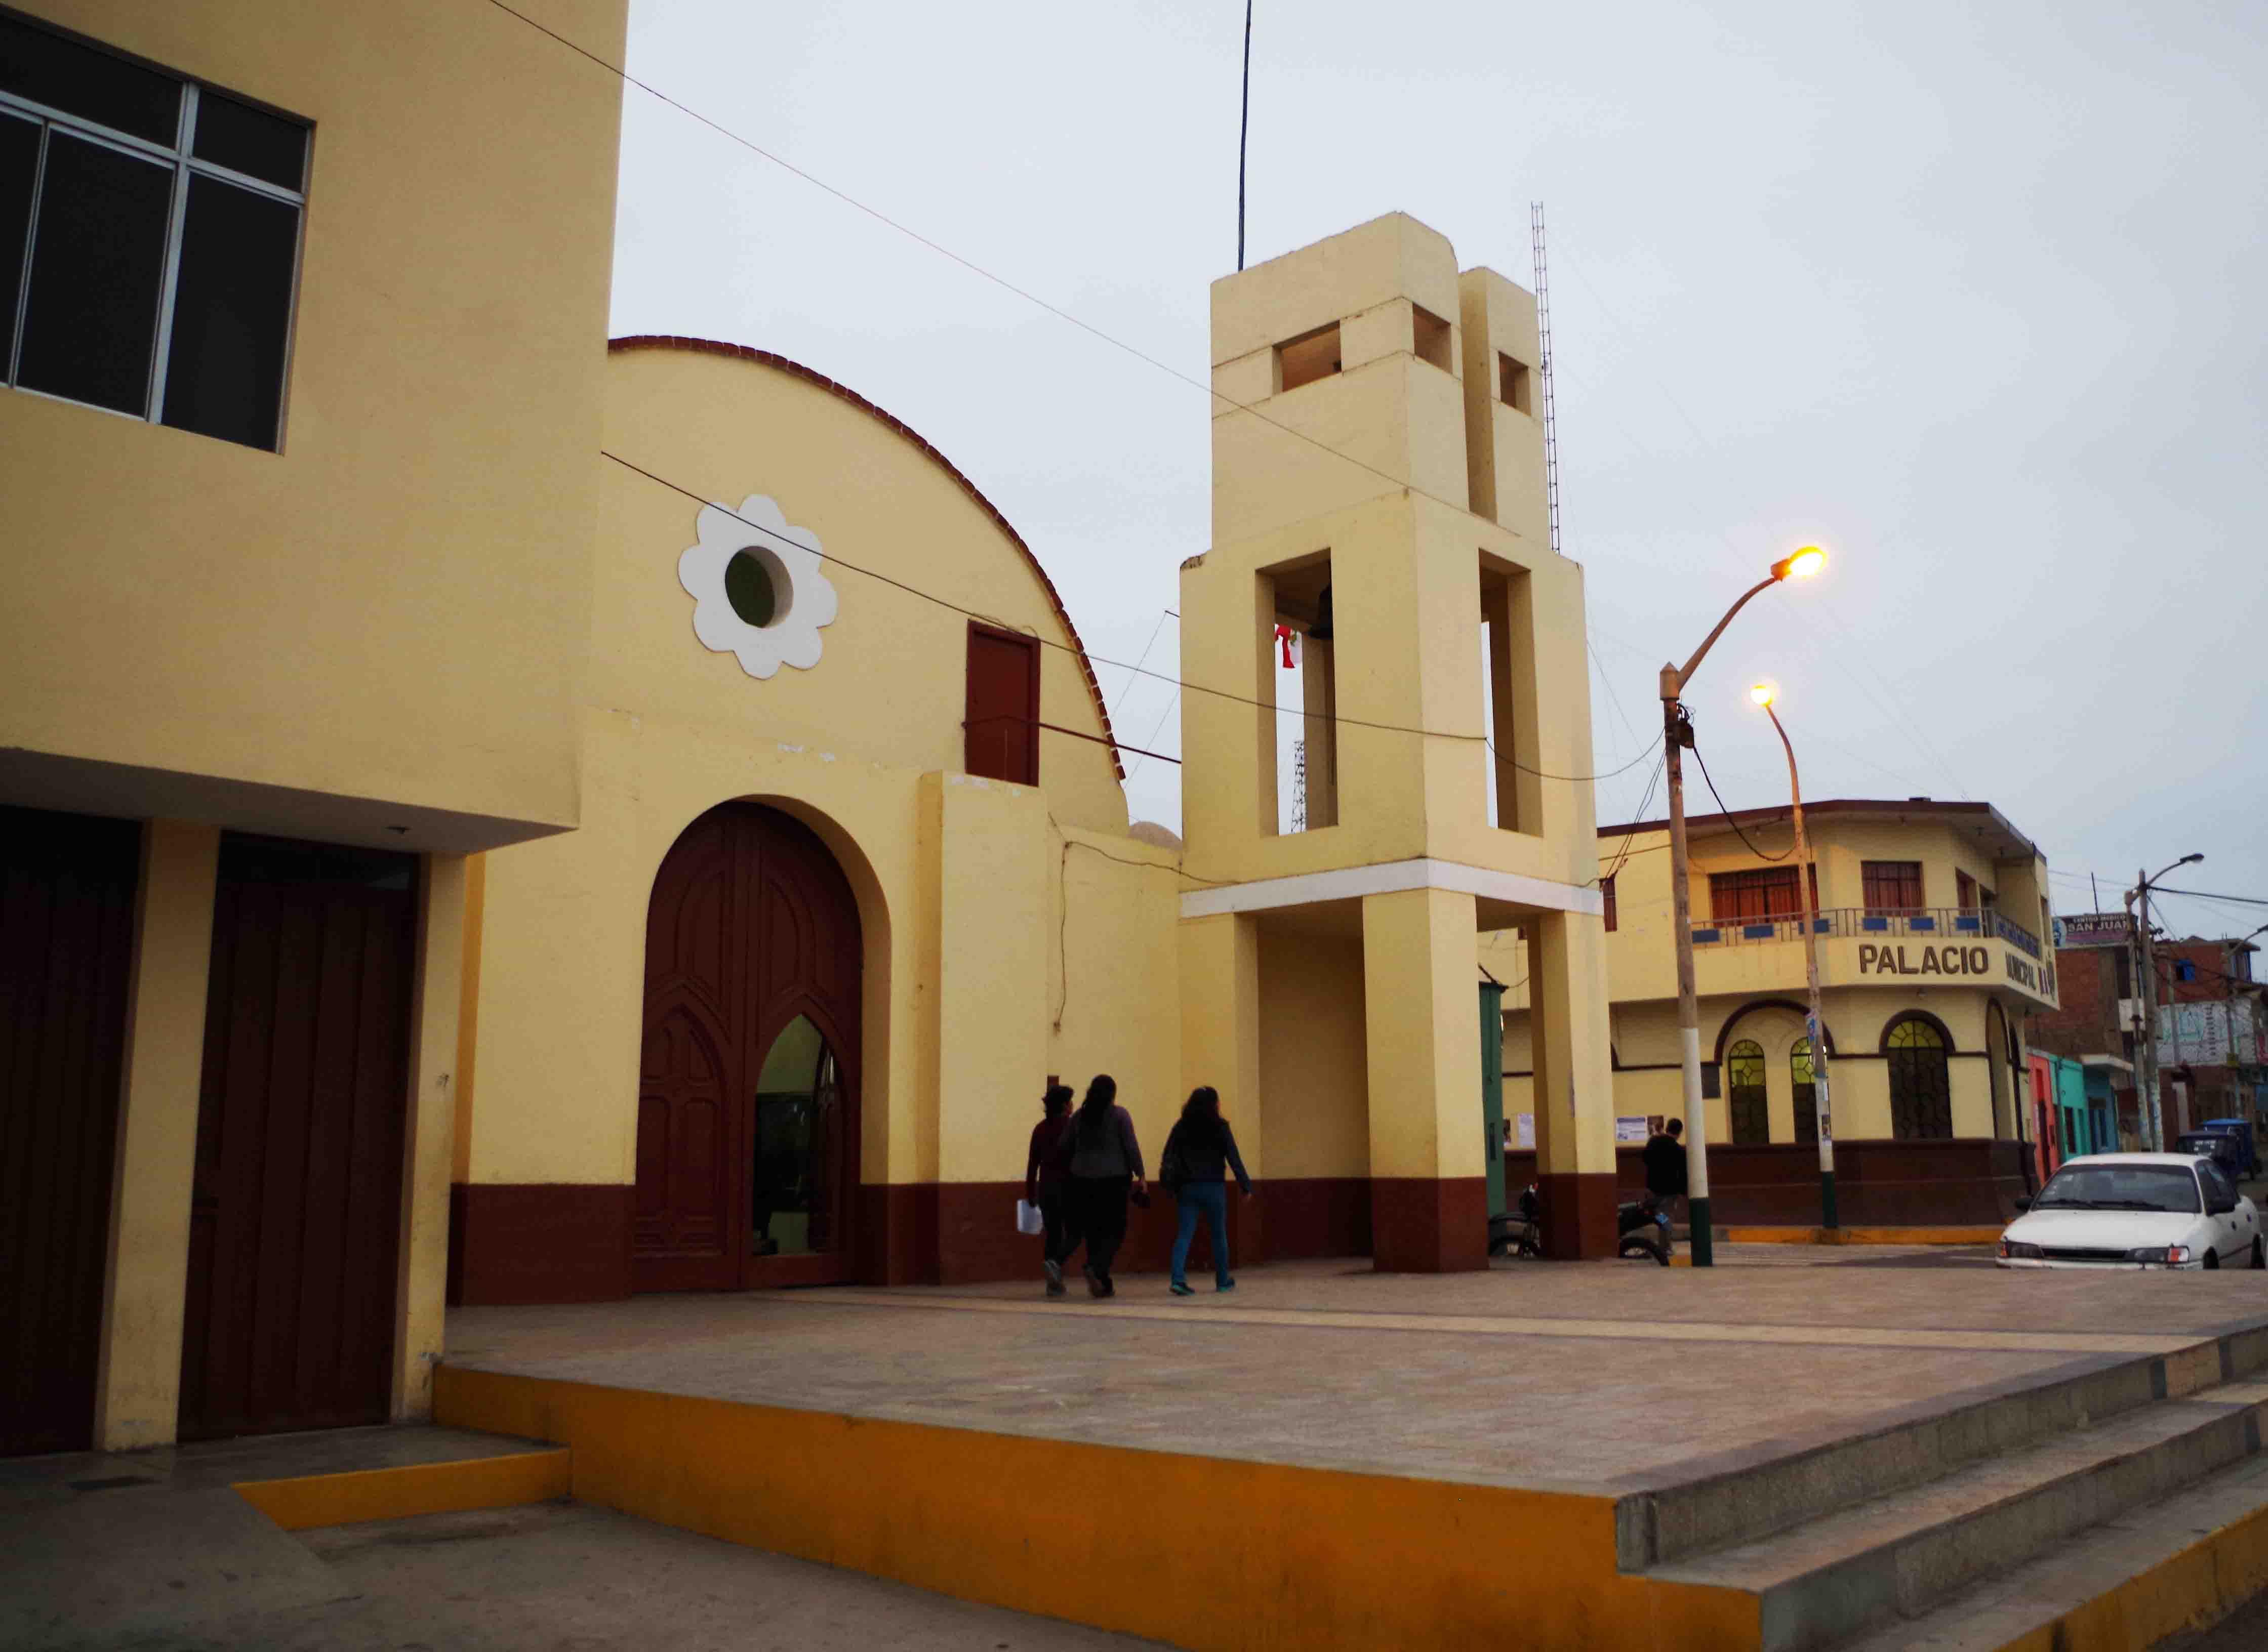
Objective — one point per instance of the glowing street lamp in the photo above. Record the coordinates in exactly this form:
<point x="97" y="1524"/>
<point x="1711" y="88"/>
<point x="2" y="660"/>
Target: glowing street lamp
<point x="1815" y="1029"/>
<point x="1676" y="734"/>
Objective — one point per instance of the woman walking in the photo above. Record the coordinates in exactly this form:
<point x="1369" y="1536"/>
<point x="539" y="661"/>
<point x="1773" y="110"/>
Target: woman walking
<point x="1106" y="1162"/>
<point x="1044" y="1176"/>
<point x="1198" y="1153"/>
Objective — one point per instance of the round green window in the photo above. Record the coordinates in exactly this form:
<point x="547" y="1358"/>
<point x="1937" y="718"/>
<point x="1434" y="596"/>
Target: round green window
<point x="752" y="587"/>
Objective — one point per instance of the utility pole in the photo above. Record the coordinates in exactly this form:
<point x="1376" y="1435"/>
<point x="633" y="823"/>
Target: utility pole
<point x="2152" y="1124"/>
<point x="1676" y="734"/>
<point x="1815" y="1023"/>
<point x="2152" y="1115"/>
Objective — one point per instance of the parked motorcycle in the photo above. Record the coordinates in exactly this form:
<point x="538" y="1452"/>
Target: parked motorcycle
<point x="1641" y="1224"/>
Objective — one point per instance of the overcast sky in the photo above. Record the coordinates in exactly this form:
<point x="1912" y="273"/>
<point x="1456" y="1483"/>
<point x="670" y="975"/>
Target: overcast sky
<point x="1970" y="294"/>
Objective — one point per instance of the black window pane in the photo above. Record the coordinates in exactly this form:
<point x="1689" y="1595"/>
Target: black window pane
<point x="98" y="256"/>
<point x="64" y="75"/>
<point x="231" y="313"/>
<point x="250" y="141"/>
<point x="20" y="162"/>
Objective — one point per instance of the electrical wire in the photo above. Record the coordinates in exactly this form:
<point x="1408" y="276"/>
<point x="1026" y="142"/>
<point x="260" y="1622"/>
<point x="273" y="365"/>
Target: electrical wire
<point x="1621" y="856"/>
<point x="2199" y="894"/>
<point x="1731" y="822"/>
<point x="1142" y="660"/>
<point x="975" y="269"/>
<point x="1338" y="719"/>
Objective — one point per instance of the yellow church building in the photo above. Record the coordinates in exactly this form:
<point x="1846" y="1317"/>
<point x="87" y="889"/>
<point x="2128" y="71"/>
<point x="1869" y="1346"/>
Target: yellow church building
<point x="488" y="814"/>
<point x="1932" y="925"/>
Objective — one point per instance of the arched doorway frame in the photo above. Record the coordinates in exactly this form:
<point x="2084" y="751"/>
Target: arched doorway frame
<point x="868" y="1055"/>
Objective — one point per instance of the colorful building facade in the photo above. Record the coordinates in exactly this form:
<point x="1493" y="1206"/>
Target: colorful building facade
<point x="483" y="814"/>
<point x="1930" y="918"/>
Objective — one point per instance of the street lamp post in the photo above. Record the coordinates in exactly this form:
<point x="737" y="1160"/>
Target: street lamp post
<point x="2154" y="1122"/>
<point x="1676" y="734"/>
<point x="1816" y="1021"/>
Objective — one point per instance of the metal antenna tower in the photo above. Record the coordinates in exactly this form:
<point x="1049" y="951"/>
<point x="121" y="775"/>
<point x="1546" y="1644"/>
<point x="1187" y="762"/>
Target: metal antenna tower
<point x="1551" y="401"/>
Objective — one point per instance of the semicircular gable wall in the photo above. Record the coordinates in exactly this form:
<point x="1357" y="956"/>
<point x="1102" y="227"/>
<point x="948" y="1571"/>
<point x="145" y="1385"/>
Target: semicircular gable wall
<point x="888" y="683"/>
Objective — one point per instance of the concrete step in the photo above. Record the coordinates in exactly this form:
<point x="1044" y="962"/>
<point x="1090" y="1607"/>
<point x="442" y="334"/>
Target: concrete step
<point x="2183" y="1563"/>
<point x="1899" y="1555"/>
<point x="1778" y="1492"/>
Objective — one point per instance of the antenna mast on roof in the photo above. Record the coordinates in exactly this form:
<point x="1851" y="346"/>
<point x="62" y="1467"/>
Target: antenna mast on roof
<point x="1551" y="401"/>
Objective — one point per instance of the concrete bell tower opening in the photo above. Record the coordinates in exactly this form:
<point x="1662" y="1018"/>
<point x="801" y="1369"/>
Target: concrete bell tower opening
<point x="1378" y="495"/>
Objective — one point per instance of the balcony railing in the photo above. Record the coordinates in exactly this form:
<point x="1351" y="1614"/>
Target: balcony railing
<point x="1861" y="922"/>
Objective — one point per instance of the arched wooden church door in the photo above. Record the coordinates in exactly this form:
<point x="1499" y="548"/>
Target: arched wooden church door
<point x="747" y="1128"/>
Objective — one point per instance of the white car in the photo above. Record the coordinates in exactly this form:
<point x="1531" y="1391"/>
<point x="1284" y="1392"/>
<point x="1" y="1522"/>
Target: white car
<point x="2137" y="1210"/>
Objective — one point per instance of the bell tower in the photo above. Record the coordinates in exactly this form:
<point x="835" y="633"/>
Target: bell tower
<point x="1378" y="498"/>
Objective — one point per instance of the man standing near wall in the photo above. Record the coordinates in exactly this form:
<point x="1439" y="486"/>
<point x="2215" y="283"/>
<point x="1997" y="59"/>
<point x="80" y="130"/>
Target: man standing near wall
<point x="1665" y="1168"/>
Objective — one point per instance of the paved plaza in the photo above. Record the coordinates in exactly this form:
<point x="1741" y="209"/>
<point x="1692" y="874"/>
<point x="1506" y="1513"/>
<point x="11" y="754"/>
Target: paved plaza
<point x="1599" y="1377"/>
<point x="1596" y="1376"/>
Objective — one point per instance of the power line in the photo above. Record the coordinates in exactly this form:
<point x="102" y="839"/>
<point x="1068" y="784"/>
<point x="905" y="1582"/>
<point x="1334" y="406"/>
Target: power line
<point x="2241" y="901"/>
<point x="975" y="269"/>
<point x="1141" y="661"/>
<point x="1337" y="719"/>
<point x="1731" y="821"/>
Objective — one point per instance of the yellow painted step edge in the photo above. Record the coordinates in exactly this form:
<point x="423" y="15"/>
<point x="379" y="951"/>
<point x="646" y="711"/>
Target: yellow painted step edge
<point x="2192" y="1590"/>
<point x="419" y="1488"/>
<point x="1861" y="1235"/>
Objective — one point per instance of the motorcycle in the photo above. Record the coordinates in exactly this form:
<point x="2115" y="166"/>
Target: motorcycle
<point x="1641" y="1226"/>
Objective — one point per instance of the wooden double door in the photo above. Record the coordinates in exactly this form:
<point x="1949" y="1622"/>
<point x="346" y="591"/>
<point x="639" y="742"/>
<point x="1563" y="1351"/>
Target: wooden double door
<point x="296" y="1214"/>
<point x="747" y="1123"/>
<point x="67" y="891"/>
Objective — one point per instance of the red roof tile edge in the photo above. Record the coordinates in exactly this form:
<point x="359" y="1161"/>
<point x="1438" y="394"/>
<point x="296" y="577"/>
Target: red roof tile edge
<point x="712" y="347"/>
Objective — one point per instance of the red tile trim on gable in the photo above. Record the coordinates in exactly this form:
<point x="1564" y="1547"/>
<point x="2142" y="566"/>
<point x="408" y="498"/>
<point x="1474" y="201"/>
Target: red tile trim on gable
<point x="711" y="347"/>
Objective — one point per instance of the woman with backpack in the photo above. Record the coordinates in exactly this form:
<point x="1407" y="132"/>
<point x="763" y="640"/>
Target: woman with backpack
<point x="1105" y="1169"/>
<point x="1198" y="1154"/>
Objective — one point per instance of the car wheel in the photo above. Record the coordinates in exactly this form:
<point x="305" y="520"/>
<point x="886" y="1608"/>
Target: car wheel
<point x="2259" y="1253"/>
<point x="2212" y="1259"/>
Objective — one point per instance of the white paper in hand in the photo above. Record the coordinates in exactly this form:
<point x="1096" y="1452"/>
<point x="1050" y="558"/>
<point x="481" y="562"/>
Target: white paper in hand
<point x="1027" y="1217"/>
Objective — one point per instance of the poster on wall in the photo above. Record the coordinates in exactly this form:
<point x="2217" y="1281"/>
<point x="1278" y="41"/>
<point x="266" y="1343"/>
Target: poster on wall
<point x="1630" y="1127"/>
<point x="1525" y="1137"/>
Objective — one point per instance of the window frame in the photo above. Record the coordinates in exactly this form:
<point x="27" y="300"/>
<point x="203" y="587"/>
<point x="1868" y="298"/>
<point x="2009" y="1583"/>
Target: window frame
<point x="1607" y="894"/>
<point x="184" y="165"/>
<point x="1767" y="881"/>
<point x="1869" y="873"/>
<point x="1029" y="646"/>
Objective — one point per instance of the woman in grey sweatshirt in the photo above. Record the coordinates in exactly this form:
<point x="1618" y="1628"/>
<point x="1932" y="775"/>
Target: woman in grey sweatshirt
<point x="1105" y="1163"/>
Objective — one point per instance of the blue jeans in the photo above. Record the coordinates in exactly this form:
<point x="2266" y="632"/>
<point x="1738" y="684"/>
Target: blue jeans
<point x="1212" y="1199"/>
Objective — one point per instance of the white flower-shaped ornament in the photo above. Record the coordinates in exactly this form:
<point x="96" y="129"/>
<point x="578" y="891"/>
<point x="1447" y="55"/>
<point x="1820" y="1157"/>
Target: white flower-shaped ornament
<point x="757" y="590"/>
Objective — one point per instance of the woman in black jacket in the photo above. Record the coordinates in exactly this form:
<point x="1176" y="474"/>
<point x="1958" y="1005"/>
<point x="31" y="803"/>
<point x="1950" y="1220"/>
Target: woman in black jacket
<point x="1198" y="1154"/>
<point x="1105" y="1164"/>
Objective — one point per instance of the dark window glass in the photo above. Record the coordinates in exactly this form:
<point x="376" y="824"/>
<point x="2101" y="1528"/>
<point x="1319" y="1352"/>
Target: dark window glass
<point x="1606" y="890"/>
<point x="97" y="260"/>
<point x="232" y="310"/>
<point x="19" y="163"/>
<point x="80" y="80"/>
<point x="250" y="141"/>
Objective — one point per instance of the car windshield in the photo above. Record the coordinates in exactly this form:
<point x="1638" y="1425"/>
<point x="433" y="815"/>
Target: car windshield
<point x="2121" y="1187"/>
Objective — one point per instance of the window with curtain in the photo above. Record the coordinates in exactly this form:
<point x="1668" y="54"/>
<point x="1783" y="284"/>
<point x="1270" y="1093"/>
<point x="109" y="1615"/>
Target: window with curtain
<point x="1744" y="1094"/>
<point x="1751" y="897"/>
<point x="1921" y="1083"/>
<point x="1892" y="886"/>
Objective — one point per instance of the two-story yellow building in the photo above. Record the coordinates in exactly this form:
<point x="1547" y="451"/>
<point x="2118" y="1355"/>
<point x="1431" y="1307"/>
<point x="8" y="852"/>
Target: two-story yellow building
<point x="481" y="813"/>
<point x="302" y="354"/>
<point x="1929" y="921"/>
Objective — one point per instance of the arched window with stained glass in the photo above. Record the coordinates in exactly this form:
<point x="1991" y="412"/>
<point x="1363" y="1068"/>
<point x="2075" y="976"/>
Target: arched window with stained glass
<point x="1800" y="1077"/>
<point x="1744" y="1094"/>
<point x="1921" y="1082"/>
